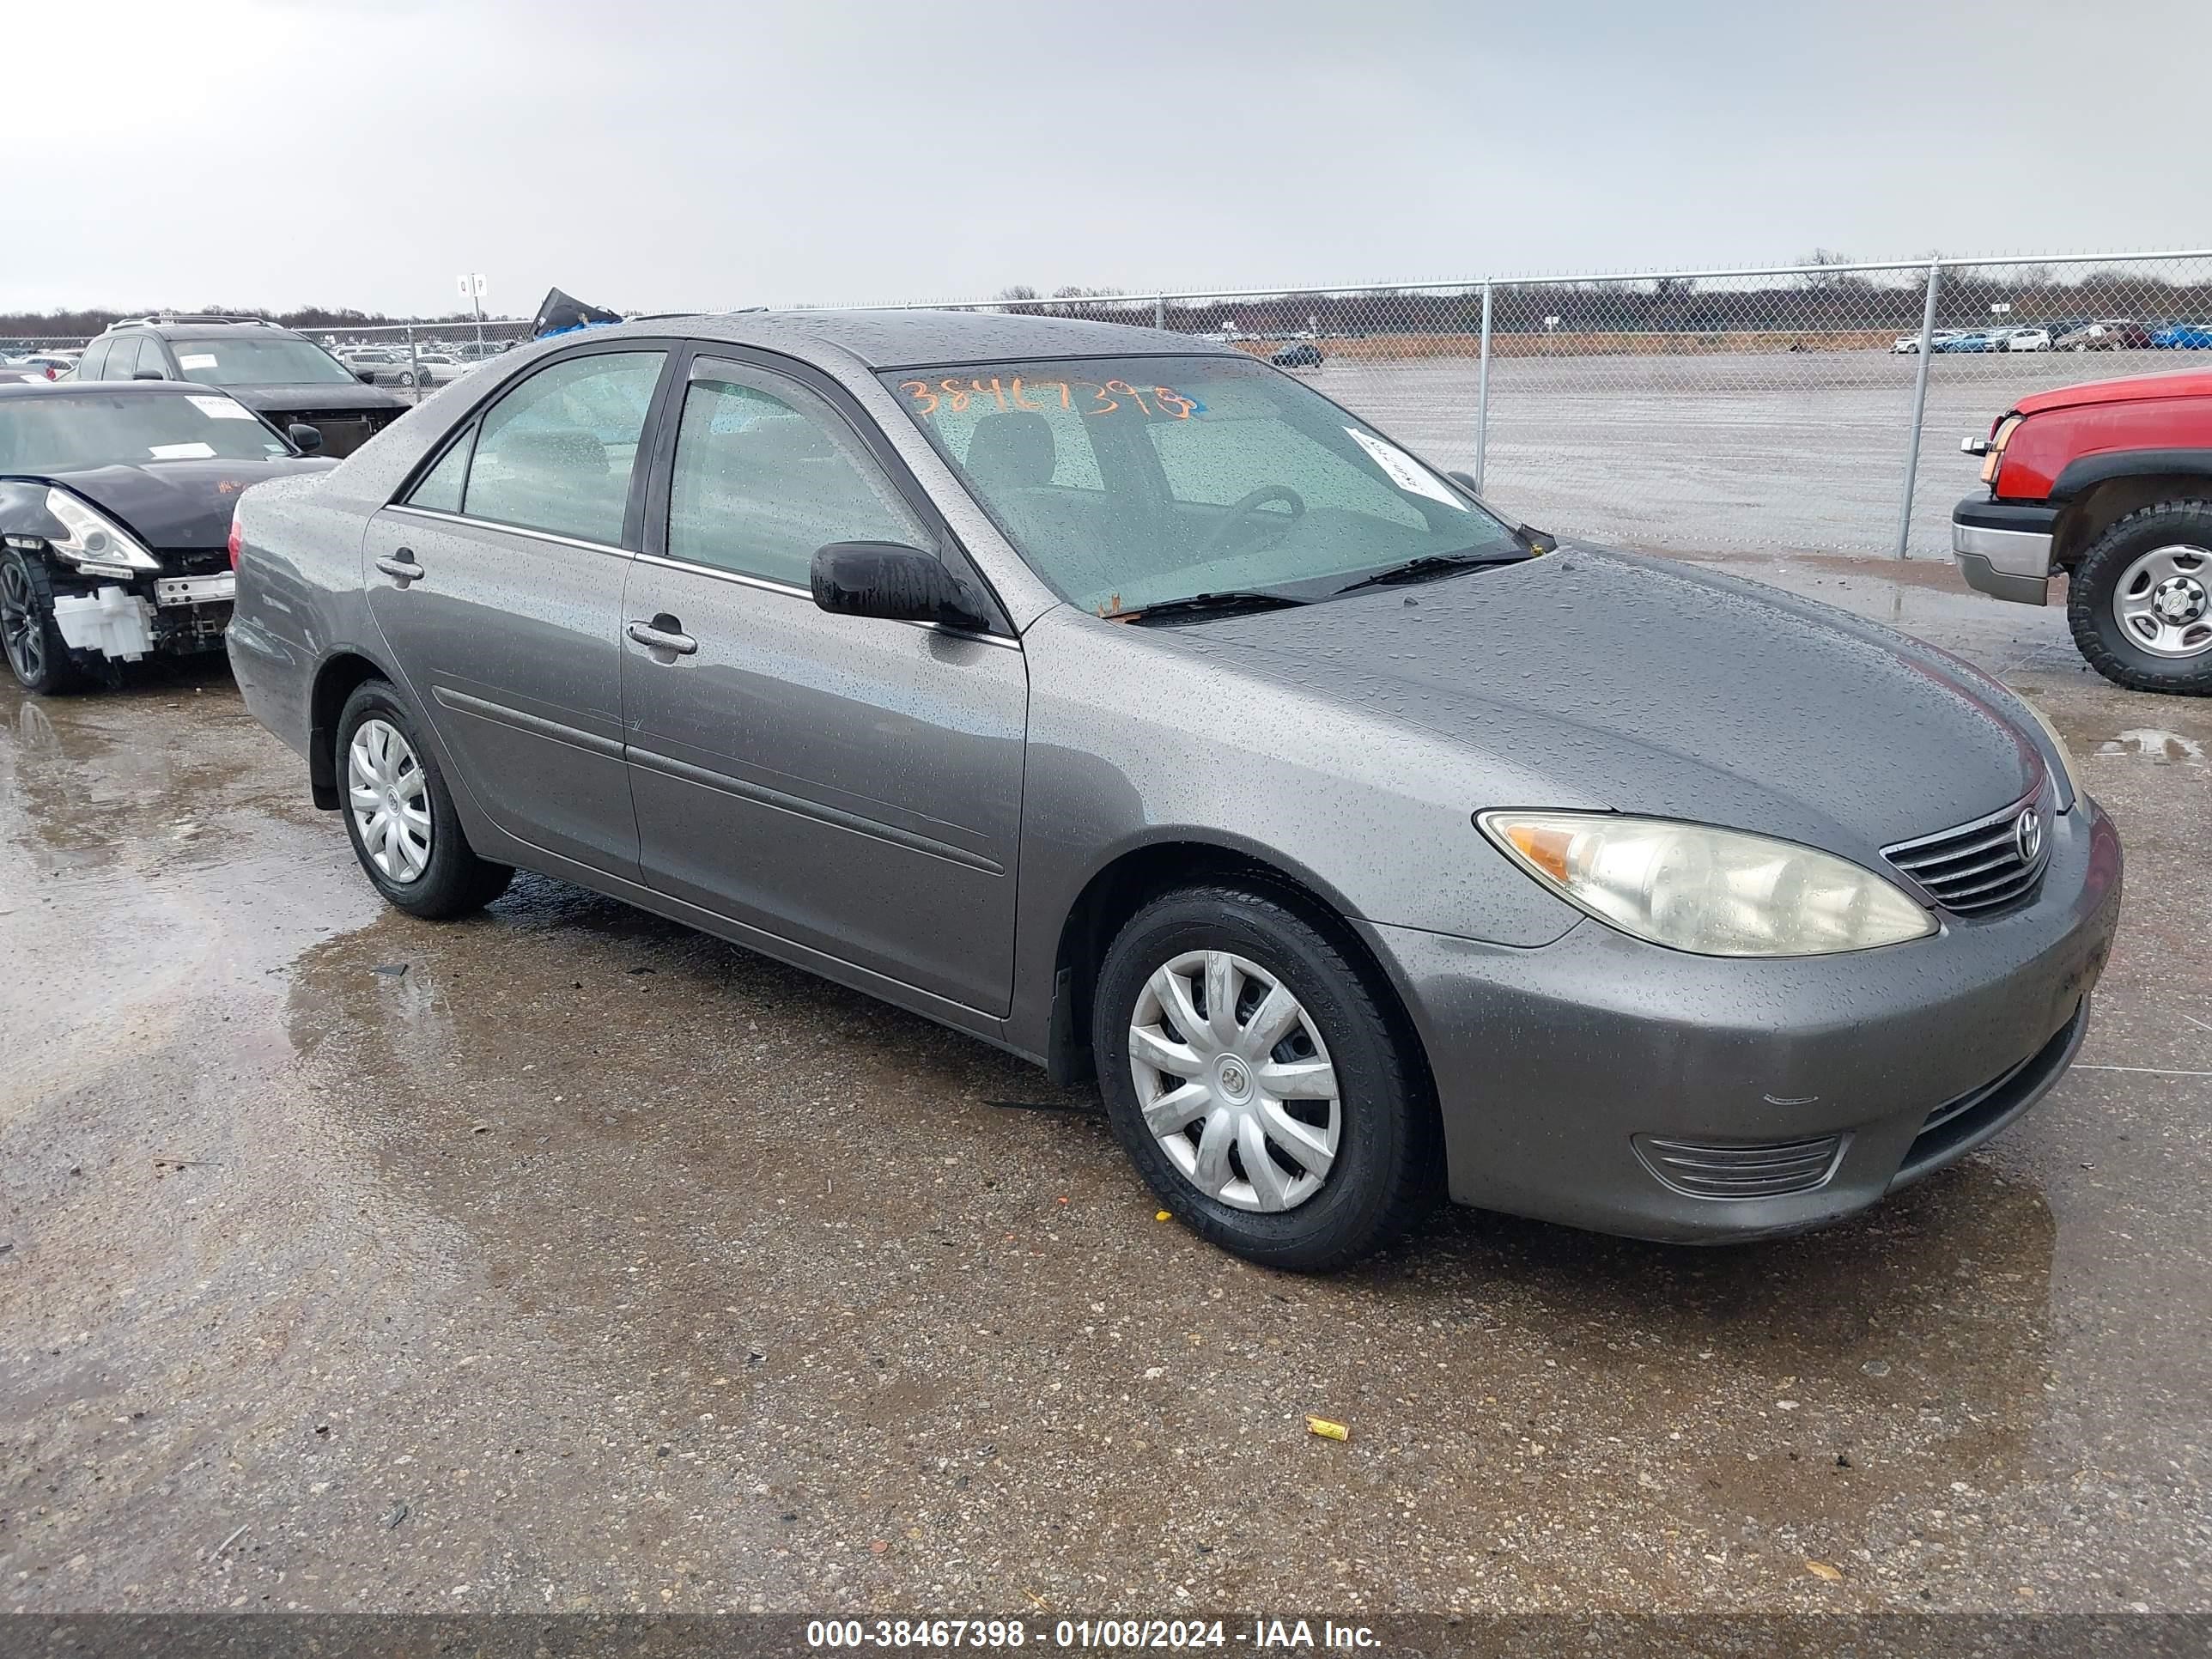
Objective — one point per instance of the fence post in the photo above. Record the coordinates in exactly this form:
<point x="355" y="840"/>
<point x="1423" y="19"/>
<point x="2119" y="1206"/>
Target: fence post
<point x="414" y="360"/>
<point x="1919" y="408"/>
<point x="1159" y="311"/>
<point x="1482" y="393"/>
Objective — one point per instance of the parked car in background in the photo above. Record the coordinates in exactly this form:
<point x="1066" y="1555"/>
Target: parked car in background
<point x="36" y="366"/>
<point x="2183" y="337"/>
<point x="2030" y="338"/>
<point x="2110" y="334"/>
<point x="280" y="374"/>
<point x="2111" y="483"/>
<point x="1978" y="339"/>
<point x="1124" y="703"/>
<point x="382" y="366"/>
<point x="1304" y="355"/>
<point x="438" y="368"/>
<point x="115" y="511"/>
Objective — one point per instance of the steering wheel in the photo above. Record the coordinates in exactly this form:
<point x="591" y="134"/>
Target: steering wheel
<point x="1244" y="509"/>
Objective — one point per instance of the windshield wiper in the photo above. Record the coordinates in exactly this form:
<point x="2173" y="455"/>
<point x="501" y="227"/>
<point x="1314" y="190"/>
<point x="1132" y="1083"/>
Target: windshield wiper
<point x="1430" y="564"/>
<point x="1234" y="599"/>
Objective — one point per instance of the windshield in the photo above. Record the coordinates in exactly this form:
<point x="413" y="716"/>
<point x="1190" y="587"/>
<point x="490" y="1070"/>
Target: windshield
<point x="251" y="360"/>
<point x="68" y="432"/>
<point x="1130" y="481"/>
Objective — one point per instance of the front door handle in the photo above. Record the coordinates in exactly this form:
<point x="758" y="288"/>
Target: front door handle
<point x="664" y="633"/>
<point x="402" y="565"/>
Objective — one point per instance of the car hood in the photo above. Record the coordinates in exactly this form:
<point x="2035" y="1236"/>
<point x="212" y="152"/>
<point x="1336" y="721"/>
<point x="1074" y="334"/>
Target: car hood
<point x="179" y="504"/>
<point x="316" y="395"/>
<point x="2128" y="389"/>
<point x="1646" y="687"/>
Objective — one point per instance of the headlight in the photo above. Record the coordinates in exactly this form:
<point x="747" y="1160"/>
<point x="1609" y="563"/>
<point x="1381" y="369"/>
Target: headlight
<point x="2068" y="776"/>
<point x="1998" y="440"/>
<point x="1716" y="892"/>
<point x="95" y="541"/>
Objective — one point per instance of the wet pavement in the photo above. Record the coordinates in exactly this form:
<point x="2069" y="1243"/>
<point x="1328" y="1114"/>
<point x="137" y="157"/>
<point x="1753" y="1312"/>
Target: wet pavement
<point x="563" y="1259"/>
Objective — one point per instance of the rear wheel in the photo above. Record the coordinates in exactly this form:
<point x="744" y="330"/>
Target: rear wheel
<point x="399" y="815"/>
<point x="1256" y="1080"/>
<point x="37" y="654"/>
<point x="2140" y="602"/>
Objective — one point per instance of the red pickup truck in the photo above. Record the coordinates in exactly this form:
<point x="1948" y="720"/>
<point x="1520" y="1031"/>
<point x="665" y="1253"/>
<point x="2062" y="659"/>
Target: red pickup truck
<point x="2111" y="483"/>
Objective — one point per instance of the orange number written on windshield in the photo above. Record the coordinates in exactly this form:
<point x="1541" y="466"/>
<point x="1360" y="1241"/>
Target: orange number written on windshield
<point x="954" y="394"/>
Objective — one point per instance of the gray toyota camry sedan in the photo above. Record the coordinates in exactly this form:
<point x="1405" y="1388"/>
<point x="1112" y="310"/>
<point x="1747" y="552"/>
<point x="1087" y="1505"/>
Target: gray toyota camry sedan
<point x="1120" y="700"/>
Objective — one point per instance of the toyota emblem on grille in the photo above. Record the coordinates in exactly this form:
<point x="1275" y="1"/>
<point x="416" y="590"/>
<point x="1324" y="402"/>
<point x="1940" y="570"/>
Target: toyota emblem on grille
<point x="2027" y="836"/>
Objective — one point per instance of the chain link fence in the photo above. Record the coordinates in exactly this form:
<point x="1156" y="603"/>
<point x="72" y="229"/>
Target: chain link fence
<point x="1794" y="409"/>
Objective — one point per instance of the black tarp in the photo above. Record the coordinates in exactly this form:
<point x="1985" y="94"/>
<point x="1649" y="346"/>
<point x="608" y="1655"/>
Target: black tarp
<point x="560" y="313"/>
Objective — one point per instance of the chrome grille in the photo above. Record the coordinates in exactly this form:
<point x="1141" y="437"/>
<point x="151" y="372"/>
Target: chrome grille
<point x="1767" y="1169"/>
<point x="1980" y="866"/>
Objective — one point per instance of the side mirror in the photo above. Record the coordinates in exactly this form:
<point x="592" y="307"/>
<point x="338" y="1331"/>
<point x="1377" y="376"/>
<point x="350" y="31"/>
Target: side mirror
<point x="306" y="438"/>
<point x="148" y="375"/>
<point x="1466" y="481"/>
<point x="897" y="583"/>
<point x="366" y="376"/>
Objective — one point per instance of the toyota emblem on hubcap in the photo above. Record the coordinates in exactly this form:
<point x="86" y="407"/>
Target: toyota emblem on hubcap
<point x="2027" y="836"/>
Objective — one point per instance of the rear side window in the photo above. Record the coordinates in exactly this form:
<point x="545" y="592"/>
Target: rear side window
<point x="766" y="473"/>
<point x="556" y="453"/>
<point x="94" y="359"/>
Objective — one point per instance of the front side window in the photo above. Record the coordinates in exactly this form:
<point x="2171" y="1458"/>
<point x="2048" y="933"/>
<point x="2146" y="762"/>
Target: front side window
<point x="123" y="361"/>
<point x="250" y="357"/>
<point x="555" y="452"/>
<point x="1129" y="482"/>
<point x="766" y="473"/>
<point x="440" y="490"/>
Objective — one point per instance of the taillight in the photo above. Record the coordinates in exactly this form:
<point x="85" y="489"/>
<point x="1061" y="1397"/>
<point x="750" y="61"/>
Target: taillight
<point x="52" y="373"/>
<point x="233" y="538"/>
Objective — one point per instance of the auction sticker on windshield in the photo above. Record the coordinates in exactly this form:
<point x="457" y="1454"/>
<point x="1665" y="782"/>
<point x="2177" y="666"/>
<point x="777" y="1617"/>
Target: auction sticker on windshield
<point x="1404" y="471"/>
<point x="219" y="409"/>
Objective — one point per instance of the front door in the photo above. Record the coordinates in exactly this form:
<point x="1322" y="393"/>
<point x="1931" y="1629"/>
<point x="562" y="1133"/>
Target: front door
<point x="497" y="583"/>
<point x="850" y="785"/>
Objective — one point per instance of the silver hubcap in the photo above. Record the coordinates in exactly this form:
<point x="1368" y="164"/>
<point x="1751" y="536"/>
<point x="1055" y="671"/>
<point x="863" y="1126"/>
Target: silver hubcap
<point x="1235" y="1081"/>
<point x="390" y="799"/>
<point x="2164" y="602"/>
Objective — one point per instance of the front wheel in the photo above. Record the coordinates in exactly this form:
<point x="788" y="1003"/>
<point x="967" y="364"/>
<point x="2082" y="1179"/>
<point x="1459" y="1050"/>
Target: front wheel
<point x="37" y="654"/>
<point x="2140" y="603"/>
<point x="1254" y="1078"/>
<point x="399" y="815"/>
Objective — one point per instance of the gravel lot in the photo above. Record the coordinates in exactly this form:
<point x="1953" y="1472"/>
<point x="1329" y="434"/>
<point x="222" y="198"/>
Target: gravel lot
<point x="563" y="1259"/>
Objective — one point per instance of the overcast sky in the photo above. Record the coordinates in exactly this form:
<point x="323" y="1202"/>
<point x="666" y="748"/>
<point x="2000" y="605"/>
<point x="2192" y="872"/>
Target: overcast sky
<point x="650" y="156"/>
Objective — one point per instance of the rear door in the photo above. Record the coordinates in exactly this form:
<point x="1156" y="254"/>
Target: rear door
<point x="497" y="583"/>
<point x="850" y="785"/>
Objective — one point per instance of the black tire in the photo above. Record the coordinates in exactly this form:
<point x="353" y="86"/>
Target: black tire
<point x="1389" y="1164"/>
<point x="454" y="881"/>
<point x="2095" y="582"/>
<point x="37" y="655"/>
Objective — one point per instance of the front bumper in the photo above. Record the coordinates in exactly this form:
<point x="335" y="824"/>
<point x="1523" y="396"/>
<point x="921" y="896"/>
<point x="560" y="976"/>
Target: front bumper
<point x="2003" y="548"/>
<point x="1559" y="1069"/>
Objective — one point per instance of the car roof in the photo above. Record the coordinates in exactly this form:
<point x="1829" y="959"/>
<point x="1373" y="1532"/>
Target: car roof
<point x="170" y="327"/>
<point x="110" y="389"/>
<point x="909" y="339"/>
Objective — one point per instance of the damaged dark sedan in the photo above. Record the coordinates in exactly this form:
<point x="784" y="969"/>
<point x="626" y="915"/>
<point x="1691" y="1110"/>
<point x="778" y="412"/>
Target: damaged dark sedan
<point x="115" y="515"/>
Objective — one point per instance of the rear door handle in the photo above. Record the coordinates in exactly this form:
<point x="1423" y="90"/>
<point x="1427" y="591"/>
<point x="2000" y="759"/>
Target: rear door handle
<point x="664" y="634"/>
<point x="401" y="564"/>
